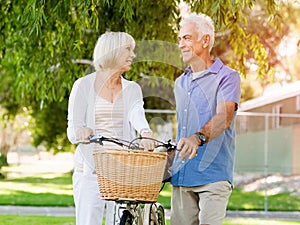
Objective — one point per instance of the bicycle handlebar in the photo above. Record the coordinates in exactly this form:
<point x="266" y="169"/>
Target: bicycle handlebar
<point x="170" y="146"/>
<point x="100" y="139"/>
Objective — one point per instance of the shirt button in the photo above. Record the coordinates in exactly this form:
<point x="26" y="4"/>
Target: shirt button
<point x="183" y="128"/>
<point x="185" y="110"/>
<point x="189" y="93"/>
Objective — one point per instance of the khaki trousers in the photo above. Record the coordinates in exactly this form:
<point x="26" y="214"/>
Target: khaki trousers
<point x="200" y="205"/>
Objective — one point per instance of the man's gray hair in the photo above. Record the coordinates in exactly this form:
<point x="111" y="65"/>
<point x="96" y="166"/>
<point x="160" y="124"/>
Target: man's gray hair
<point x="204" y="24"/>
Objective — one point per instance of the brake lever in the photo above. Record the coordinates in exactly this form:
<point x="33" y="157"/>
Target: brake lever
<point x="171" y="146"/>
<point x="96" y="139"/>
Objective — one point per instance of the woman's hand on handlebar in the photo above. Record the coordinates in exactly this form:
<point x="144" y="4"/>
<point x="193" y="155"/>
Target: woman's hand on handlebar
<point x="84" y="133"/>
<point x="147" y="144"/>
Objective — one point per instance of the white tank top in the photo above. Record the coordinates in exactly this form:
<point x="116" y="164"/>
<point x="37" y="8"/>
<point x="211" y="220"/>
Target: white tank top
<point x="109" y="118"/>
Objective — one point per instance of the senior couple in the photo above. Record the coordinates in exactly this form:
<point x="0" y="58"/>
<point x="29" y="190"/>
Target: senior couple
<point x="207" y="95"/>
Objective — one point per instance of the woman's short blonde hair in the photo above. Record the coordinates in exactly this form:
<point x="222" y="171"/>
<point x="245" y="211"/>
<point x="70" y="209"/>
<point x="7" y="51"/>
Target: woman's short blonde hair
<point x="109" y="47"/>
<point x="204" y="24"/>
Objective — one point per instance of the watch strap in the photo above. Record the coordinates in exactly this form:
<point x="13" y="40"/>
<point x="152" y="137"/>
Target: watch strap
<point x="202" y="138"/>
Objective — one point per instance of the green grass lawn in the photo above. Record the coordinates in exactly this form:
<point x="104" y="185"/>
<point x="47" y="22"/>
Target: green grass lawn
<point x="57" y="191"/>
<point x="37" y="191"/>
<point x="38" y="220"/>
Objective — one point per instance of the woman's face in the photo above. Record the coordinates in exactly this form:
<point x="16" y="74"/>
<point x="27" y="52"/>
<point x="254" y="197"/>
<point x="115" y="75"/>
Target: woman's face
<point x="126" y="57"/>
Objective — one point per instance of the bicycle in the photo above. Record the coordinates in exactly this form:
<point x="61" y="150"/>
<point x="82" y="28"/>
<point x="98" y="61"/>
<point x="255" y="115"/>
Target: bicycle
<point x="134" y="211"/>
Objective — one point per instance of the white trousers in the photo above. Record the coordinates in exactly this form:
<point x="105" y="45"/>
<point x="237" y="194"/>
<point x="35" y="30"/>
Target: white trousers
<point x="88" y="205"/>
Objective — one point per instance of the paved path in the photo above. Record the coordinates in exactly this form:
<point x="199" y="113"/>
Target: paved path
<point x="69" y="211"/>
<point x="264" y="215"/>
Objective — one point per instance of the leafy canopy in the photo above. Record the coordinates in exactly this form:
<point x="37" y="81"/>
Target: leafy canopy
<point x="46" y="45"/>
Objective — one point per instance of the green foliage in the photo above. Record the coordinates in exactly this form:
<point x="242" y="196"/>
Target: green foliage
<point x="54" y="35"/>
<point x="240" y="27"/>
<point x="247" y="92"/>
<point x="65" y="31"/>
<point x="46" y="45"/>
<point x="50" y="125"/>
<point x="3" y="160"/>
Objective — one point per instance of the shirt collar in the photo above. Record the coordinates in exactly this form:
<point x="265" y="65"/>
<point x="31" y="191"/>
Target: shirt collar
<point x="200" y="74"/>
<point x="213" y="69"/>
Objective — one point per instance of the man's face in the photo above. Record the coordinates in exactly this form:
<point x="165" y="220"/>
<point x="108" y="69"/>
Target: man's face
<point x="190" y="46"/>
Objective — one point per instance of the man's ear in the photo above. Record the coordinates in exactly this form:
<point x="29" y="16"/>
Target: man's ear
<point x="205" y="40"/>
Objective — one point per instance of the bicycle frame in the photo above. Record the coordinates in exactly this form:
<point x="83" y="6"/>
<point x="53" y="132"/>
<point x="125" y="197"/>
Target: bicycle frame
<point x="132" y="212"/>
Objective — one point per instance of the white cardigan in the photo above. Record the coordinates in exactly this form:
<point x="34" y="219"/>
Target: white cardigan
<point x="81" y="112"/>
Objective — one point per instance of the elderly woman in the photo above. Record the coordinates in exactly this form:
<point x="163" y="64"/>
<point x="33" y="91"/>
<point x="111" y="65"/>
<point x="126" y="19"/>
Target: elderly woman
<point x="107" y="104"/>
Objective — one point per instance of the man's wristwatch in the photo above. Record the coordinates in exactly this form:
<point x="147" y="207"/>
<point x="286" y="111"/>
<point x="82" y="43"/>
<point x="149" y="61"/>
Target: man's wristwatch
<point x="202" y="138"/>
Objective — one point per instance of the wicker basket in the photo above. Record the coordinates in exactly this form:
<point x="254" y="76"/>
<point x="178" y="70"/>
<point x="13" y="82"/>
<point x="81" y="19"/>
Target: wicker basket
<point x="129" y="174"/>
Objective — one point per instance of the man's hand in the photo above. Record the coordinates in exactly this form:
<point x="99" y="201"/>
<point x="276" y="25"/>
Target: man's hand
<point x="188" y="146"/>
<point x="83" y="134"/>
